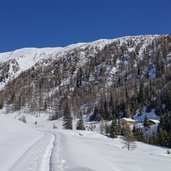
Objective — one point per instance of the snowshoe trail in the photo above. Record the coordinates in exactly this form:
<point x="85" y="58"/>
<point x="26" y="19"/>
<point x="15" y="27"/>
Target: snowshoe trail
<point x="37" y="157"/>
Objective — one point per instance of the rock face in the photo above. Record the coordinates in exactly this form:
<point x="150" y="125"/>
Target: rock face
<point x="105" y="77"/>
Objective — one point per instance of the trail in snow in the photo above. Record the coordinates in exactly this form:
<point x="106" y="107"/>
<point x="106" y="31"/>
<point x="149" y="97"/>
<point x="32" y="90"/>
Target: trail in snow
<point x="66" y="150"/>
<point x="37" y="157"/>
<point x="51" y="162"/>
<point x="58" y="162"/>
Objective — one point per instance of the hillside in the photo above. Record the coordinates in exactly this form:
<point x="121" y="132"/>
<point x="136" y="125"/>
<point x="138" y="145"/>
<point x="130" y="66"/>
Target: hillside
<point x="85" y="71"/>
<point x="105" y="79"/>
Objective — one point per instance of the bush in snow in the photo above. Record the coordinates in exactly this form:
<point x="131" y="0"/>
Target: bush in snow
<point x="22" y="118"/>
<point x="168" y="152"/>
<point x="54" y="126"/>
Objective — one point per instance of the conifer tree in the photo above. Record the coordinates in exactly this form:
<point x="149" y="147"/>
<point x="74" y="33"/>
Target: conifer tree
<point x="80" y="125"/>
<point x="169" y="100"/>
<point x="106" y="112"/>
<point x="113" y="129"/>
<point x="145" y="121"/>
<point x="138" y="134"/>
<point x="67" y="118"/>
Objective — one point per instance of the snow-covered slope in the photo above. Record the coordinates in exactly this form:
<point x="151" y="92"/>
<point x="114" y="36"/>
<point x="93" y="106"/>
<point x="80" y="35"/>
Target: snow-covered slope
<point x="15" y="139"/>
<point x="71" y="150"/>
<point x="21" y="60"/>
<point x="12" y="64"/>
<point x="92" y="152"/>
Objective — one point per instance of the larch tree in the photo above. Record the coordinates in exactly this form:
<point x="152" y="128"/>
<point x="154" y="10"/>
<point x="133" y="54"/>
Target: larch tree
<point x="129" y="138"/>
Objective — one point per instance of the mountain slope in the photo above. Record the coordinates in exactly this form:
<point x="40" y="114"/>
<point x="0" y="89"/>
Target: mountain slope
<point x="23" y="59"/>
<point x="105" y="77"/>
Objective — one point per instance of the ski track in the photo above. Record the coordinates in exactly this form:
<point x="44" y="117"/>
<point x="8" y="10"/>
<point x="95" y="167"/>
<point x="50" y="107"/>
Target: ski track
<point x="37" y="157"/>
<point x="51" y="163"/>
<point x="57" y="160"/>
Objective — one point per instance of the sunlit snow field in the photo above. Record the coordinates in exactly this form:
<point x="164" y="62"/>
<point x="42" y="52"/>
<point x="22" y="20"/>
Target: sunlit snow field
<point x="40" y="147"/>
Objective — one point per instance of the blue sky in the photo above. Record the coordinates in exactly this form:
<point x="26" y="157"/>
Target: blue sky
<point x="52" y="23"/>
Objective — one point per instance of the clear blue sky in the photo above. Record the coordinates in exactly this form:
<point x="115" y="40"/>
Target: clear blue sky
<point x="52" y="23"/>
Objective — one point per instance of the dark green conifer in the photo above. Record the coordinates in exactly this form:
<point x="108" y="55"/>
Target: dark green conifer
<point x="67" y="118"/>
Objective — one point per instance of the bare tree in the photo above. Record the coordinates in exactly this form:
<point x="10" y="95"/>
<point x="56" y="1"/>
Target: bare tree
<point x="129" y="138"/>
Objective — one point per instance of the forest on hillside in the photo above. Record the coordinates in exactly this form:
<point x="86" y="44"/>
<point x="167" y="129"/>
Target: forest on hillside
<point x="105" y="84"/>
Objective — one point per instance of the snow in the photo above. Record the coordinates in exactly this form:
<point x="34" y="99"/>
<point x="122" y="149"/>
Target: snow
<point x="152" y="73"/>
<point x="92" y="151"/>
<point x="154" y="121"/>
<point x="44" y="148"/>
<point x="25" y="59"/>
<point x="128" y="119"/>
<point x="114" y="70"/>
<point x="152" y="130"/>
<point x="15" y="139"/>
<point x="131" y="49"/>
<point x="141" y="116"/>
<point x="38" y="156"/>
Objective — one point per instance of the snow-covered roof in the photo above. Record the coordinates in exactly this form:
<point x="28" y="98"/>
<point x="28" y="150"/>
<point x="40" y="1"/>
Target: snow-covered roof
<point x="154" y="121"/>
<point x="128" y="119"/>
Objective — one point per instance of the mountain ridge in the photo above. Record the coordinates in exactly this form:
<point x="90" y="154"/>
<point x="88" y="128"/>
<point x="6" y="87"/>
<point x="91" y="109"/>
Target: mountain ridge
<point x="33" y="55"/>
<point x="88" y="42"/>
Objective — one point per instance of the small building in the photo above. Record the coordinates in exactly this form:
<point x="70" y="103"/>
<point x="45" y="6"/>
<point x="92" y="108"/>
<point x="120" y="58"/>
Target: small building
<point x="127" y="122"/>
<point x="153" y="122"/>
